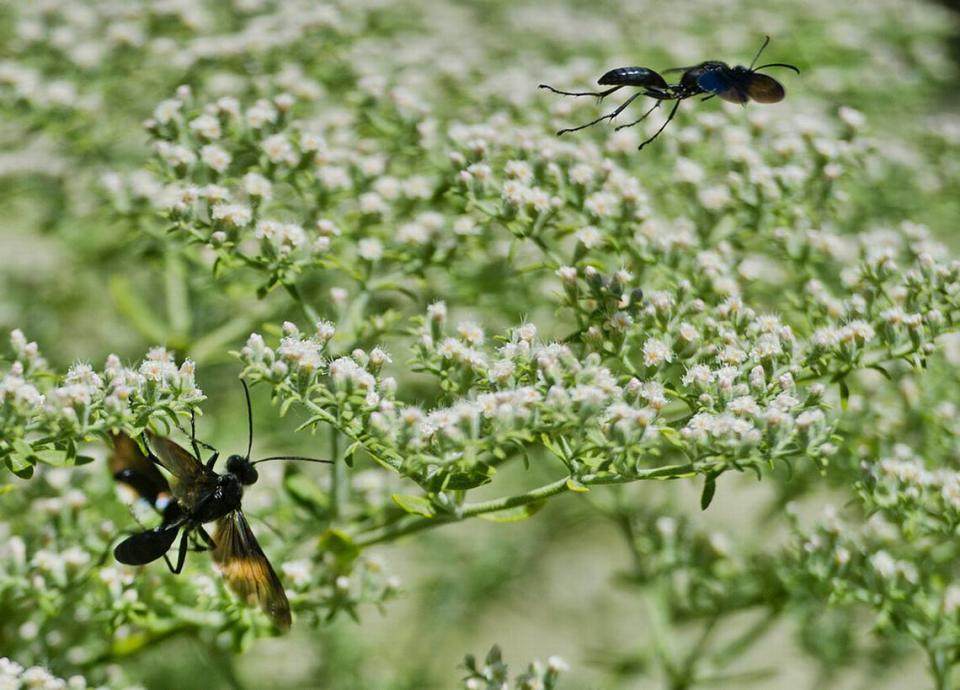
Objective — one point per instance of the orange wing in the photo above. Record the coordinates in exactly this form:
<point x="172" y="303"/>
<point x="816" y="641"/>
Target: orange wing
<point x="130" y="466"/>
<point x="246" y="569"/>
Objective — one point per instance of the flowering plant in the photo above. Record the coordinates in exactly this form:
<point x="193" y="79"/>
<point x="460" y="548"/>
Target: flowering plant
<point x="703" y="347"/>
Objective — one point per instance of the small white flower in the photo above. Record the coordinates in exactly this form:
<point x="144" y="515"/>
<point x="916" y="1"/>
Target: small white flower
<point x="809" y="418"/>
<point x="370" y="249"/>
<point x="715" y="198"/>
<point x="256" y="185"/>
<point x="215" y="157"/>
<point x="656" y="352"/>
<point x="884" y="564"/>
<point x="207" y="126"/>
<point x="951" y="599"/>
<point x="297" y="572"/>
<point x="437" y="312"/>
<point x="379" y="357"/>
<point x="697" y="375"/>
<point x="602" y="204"/>
<point x="279" y="150"/>
<point x="568" y="274"/>
<point x="471" y="333"/>
<point x="167" y="110"/>
<point x="589" y="237"/>
<point x="237" y="215"/>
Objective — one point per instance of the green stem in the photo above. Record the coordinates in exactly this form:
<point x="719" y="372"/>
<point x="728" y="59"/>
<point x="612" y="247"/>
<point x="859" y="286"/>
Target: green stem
<point x="308" y="311"/>
<point x="412" y="525"/>
<point x="353" y="316"/>
<point x="178" y="297"/>
<point x="139" y="315"/>
<point x="337" y="479"/>
<point x="211" y="345"/>
<point x="941" y="669"/>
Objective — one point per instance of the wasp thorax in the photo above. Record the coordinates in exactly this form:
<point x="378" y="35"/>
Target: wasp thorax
<point x="243" y="469"/>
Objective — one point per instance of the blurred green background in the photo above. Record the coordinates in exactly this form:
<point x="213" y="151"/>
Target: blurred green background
<point x="75" y="276"/>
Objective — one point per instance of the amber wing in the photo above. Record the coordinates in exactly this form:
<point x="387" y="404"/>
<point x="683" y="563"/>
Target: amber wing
<point x="193" y="480"/>
<point x="129" y="465"/>
<point x="246" y="569"/>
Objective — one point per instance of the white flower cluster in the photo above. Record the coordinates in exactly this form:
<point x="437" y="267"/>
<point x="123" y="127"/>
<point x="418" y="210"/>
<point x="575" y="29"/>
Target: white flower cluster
<point x="86" y="401"/>
<point x="13" y="676"/>
<point x="297" y="355"/>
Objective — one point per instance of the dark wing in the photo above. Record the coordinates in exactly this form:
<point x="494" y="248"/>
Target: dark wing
<point x="682" y="69"/>
<point x="129" y="465"/>
<point x="246" y="569"/>
<point x="764" y="89"/>
<point x="194" y="480"/>
<point x="724" y="85"/>
<point x="147" y="546"/>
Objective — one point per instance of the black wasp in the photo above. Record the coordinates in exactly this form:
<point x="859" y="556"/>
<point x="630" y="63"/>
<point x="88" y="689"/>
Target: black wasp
<point x="734" y="84"/>
<point x="199" y="495"/>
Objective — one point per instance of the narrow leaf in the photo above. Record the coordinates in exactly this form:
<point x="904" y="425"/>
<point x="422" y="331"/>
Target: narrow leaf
<point x="416" y="505"/>
<point x="709" y="489"/>
<point x="515" y="514"/>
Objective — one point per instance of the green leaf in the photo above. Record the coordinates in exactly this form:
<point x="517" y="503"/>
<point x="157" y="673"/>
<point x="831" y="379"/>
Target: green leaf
<point x="416" y="505"/>
<point x="576" y="486"/>
<point x="340" y="545"/>
<point x="515" y="514"/>
<point x="52" y="457"/>
<point x="6" y="488"/>
<point x="844" y="394"/>
<point x="306" y="494"/>
<point x="20" y="464"/>
<point x="671" y="435"/>
<point x="709" y="489"/>
<point x="350" y="454"/>
<point x="462" y="481"/>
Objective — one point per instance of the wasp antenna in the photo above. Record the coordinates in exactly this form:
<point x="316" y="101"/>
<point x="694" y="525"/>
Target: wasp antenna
<point x="293" y="457"/>
<point x="246" y="394"/>
<point x="778" y="64"/>
<point x="766" y="40"/>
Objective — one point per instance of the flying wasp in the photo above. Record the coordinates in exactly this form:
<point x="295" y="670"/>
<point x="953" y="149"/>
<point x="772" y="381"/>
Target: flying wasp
<point x="200" y="495"/>
<point x="714" y="78"/>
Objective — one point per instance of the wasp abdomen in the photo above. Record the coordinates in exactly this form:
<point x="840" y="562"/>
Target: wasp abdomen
<point x="633" y="76"/>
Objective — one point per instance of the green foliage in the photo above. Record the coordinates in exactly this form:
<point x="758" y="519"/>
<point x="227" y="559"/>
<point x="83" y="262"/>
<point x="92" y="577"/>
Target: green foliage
<point x="361" y="208"/>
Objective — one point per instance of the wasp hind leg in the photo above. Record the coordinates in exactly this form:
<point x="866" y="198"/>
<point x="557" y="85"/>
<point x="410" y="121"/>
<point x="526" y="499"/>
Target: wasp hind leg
<point x="673" y="111"/>
<point x="641" y="119"/>
<point x="608" y="116"/>
<point x="181" y="555"/>
<point x="600" y="95"/>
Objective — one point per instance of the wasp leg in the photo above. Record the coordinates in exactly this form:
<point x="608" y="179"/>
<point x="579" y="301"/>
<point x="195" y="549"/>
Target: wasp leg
<point x="207" y="538"/>
<point x="608" y="116"/>
<point x="599" y="94"/>
<point x="196" y="443"/>
<point x="642" y="117"/>
<point x="181" y="556"/>
<point x="673" y="111"/>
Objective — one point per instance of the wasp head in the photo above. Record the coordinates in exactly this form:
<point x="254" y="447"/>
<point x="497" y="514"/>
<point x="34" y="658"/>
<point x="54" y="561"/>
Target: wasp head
<point x="243" y="469"/>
